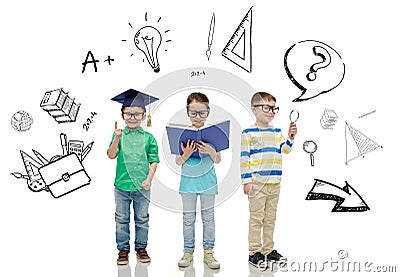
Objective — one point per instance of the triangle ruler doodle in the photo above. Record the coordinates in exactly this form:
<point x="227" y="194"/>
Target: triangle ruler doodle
<point x="358" y="145"/>
<point x="35" y="181"/>
<point x="239" y="49"/>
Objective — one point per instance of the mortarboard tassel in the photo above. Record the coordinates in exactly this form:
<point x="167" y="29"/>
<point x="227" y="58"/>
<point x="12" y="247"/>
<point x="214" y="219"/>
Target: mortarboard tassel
<point x="149" y="116"/>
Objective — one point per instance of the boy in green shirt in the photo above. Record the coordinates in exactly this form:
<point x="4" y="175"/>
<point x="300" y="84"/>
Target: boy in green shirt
<point x="137" y="157"/>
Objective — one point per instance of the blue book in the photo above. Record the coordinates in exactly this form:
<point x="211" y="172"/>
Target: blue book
<point x="217" y="135"/>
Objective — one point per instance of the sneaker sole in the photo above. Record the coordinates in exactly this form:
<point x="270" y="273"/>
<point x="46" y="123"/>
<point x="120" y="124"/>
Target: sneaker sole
<point x="184" y="265"/>
<point x="123" y="263"/>
<point x="213" y="267"/>
<point x="253" y="264"/>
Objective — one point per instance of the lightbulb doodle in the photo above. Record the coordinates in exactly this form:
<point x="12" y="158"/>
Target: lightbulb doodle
<point x="314" y="67"/>
<point x="60" y="174"/>
<point x="148" y="40"/>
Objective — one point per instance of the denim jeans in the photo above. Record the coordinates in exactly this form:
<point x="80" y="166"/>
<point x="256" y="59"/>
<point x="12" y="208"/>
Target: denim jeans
<point x="189" y="201"/>
<point x="123" y="200"/>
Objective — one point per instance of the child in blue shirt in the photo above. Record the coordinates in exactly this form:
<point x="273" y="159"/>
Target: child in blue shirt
<point x="198" y="179"/>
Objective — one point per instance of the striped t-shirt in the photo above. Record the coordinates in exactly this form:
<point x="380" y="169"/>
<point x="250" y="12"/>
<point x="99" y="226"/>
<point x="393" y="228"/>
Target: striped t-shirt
<point x="261" y="154"/>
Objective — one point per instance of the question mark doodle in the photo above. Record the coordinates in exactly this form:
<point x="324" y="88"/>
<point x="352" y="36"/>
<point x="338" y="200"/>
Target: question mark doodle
<point x="326" y="60"/>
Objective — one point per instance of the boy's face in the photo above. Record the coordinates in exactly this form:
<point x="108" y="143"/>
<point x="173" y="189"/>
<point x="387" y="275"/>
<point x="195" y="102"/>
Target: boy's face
<point x="133" y="116"/>
<point x="197" y="112"/>
<point x="264" y="111"/>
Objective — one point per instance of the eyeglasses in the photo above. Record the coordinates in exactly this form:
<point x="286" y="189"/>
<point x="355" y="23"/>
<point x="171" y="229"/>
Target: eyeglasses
<point x="202" y="114"/>
<point x="137" y="116"/>
<point x="268" y="108"/>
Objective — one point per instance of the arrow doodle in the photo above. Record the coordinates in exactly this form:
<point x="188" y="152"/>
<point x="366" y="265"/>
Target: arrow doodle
<point x="347" y="199"/>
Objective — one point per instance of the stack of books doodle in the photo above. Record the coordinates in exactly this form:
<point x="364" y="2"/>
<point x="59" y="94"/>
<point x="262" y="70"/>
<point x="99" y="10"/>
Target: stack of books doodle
<point x="328" y="119"/>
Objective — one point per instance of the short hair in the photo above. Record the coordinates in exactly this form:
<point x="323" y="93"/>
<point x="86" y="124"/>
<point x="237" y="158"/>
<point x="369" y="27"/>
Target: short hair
<point x="198" y="97"/>
<point x="259" y="96"/>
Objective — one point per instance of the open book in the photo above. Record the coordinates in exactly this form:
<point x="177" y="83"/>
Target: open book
<point x="217" y="135"/>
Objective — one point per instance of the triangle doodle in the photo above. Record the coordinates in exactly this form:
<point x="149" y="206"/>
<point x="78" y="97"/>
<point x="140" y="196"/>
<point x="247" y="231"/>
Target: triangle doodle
<point x="363" y="144"/>
<point x="239" y="49"/>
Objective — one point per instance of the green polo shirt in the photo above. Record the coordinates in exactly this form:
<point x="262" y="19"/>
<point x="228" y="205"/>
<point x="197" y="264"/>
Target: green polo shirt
<point x="136" y="149"/>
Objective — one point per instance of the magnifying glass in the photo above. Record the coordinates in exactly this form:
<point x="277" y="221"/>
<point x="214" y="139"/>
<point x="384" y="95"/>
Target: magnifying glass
<point x="310" y="147"/>
<point x="293" y="117"/>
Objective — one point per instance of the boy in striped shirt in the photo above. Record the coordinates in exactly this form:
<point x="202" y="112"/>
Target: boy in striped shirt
<point x="261" y="169"/>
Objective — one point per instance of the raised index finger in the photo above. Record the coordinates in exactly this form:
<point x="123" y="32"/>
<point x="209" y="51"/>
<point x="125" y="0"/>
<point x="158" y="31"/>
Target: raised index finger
<point x="115" y="125"/>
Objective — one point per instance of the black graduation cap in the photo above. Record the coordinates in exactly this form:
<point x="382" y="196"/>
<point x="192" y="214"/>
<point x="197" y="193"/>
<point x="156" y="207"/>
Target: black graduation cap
<point x="133" y="97"/>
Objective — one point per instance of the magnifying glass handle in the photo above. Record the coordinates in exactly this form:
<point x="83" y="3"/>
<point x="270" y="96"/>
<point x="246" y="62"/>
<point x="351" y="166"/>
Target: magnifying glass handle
<point x="312" y="159"/>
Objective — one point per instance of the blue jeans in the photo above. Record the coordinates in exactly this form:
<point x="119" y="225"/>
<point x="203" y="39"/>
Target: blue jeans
<point x="123" y="200"/>
<point x="189" y="201"/>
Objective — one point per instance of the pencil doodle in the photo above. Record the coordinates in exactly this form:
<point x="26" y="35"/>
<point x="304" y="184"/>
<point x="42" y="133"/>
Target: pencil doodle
<point x="59" y="175"/>
<point x="323" y="59"/>
<point x="21" y="121"/>
<point x="310" y="147"/>
<point x="210" y="36"/>
<point x="60" y="106"/>
<point x="359" y="146"/>
<point x="239" y="48"/>
<point x="328" y="119"/>
<point x="347" y="199"/>
<point x="367" y="114"/>
<point x="148" y="40"/>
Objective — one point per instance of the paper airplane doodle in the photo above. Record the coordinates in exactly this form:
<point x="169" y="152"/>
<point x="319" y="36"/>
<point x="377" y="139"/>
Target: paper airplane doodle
<point x="239" y="49"/>
<point x="61" y="174"/>
<point x="359" y="146"/>
<point x="347" y="199"/>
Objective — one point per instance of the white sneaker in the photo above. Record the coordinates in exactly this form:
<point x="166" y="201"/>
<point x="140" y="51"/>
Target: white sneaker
<point x="209" y="259"/>
<point x="186" y="259"/>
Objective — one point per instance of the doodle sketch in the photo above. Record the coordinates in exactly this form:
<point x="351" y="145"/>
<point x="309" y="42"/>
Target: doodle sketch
<point x="359" y="145"/>
<point x="310" y="147"/>
<point x="347" y="199"/>
<point x="369" y="113"/>
<point x="210" y="36"/>
<point x="60" y="106"/>
<point x="21" y="121"/>
<point x="239" y="48"/>
<point x="328" y="119"/>
<point x="148" y="40"/>
<point x="59" y="175"/>
<point x="313" y="67"/>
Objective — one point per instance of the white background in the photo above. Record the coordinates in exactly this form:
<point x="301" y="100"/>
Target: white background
<point x="43" y="45"/>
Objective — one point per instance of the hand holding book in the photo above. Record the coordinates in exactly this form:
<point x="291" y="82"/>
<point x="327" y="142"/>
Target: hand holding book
<point x="191" y="147"/>
<point x="213" y="139"/>
<point x="207" y="149"/>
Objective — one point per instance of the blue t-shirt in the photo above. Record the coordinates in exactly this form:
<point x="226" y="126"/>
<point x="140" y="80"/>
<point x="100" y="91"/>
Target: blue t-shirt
<point x="198" y="176"/>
